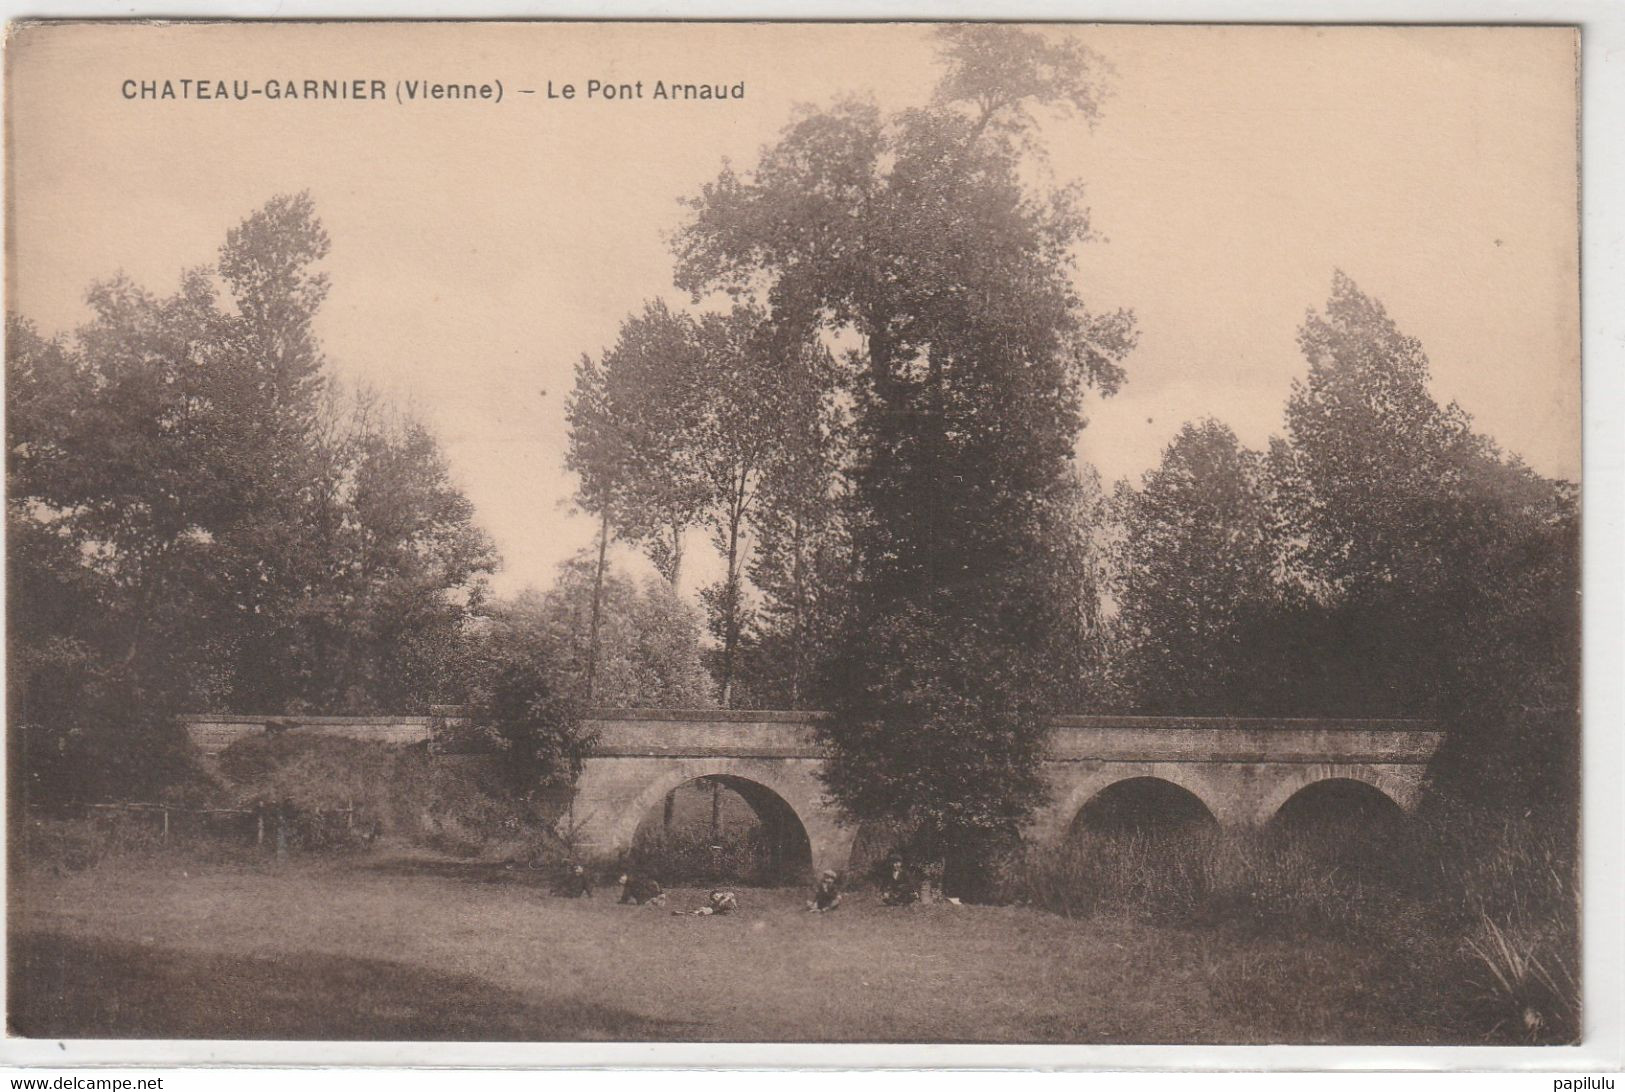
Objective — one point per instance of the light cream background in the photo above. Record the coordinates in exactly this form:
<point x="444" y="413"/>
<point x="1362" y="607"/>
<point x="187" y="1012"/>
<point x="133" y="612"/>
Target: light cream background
<point x="478" y="249"/>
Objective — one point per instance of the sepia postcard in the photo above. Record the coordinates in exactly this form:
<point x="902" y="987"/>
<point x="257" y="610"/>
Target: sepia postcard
<point x="834" y="534"/>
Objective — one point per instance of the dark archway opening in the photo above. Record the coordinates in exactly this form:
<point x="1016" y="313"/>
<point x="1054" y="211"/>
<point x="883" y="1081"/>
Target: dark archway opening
<point x="1142" y="806"/>
<point x="1140" y="845"/>
<point x="722" y="829"/>
<point x="1339" y="804"/>
<point x="1347" y="824"/>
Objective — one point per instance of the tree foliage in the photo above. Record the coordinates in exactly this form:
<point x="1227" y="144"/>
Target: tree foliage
<point x="916" y="235"/>
<point x="766" y="422"/>
<point x="195" y="523"/>
<point x="1384" y="559"/>
<point x="521" y="697"/>
<point x="635" y="416"/>
<point x="801" y="563"/>
<point x="1196" y="586"/>
<point x="686" y="422"/>
<point x="649" y="641"/>
<point x="397" y="567"/>
<point x="1447" y="571"/>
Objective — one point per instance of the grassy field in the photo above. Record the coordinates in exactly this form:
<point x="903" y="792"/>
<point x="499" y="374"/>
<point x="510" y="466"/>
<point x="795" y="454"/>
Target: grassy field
<point x="412" y="946"/>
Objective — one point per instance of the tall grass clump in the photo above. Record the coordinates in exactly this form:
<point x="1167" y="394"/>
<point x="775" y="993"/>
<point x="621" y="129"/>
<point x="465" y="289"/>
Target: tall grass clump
<point x="1495" y="895"/>
<point x="1527" y="982"/>
<point x="1520" y="908"/>
<point x="1197" y="876"/>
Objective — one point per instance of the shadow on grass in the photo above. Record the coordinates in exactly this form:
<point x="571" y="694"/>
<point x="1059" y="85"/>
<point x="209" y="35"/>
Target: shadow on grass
<point x="63" y="987"/>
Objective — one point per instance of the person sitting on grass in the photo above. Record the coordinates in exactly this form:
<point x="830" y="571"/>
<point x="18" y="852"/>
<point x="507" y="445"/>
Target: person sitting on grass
<point x="641" y="891"/>
<point x="898" y="887"/>
<point x="576" y="883"/>
<point x="719" y="904"/>
<point x="826" y="893"/>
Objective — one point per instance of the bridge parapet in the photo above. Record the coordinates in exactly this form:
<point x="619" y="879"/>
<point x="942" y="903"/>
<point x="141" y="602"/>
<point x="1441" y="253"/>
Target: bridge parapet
<point x="734" y="733"/>
<point x="1241" y="739"/>
<point x="779" y="734"/>
<point x="628" y="733"/>
<point x="212" y="733"/>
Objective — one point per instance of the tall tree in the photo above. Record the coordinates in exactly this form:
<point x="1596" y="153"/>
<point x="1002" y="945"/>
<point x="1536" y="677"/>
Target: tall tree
<point x="681" y="424"/>
<point x="917" y="235"/>
<point x="766" y="392"/>
<point x="800" y="567"/>
<point x="174" y="463"/>
<point x="1196" y="577"/>
<point x="1449" y="569"/>
<point x="268" y="374"/>
<point x="634" y="417"/>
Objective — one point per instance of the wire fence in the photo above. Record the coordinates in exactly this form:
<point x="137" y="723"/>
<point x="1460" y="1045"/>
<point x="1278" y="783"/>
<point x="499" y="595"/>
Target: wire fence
<point x="270" y="826"/>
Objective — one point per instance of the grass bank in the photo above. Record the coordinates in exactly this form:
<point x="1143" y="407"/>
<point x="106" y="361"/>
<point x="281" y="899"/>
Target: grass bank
<point x="423" y="946"/>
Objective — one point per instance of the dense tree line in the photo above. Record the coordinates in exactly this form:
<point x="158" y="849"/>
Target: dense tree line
<point x="199" y="518"/>
<point x="1381" y="559"/>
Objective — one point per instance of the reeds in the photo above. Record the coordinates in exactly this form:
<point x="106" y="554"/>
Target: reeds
<point x="1497" y="896"/>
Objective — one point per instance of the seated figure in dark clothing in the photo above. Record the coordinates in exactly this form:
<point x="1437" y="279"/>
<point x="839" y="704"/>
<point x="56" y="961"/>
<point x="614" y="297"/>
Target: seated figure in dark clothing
<point x="898" y="887"/>
<point x="642" y="891"/>
<point x="826" y="893"/>
<point x="576" y="883"/>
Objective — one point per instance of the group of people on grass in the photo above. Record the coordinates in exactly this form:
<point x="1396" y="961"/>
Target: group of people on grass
<point x="898" y="887"/>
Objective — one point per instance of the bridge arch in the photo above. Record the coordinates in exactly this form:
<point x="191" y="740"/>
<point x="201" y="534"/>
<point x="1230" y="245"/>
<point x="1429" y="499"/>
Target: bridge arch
<point x="1076" y="787"/>
<point x="1338" y="802"/>
<point x="774" y="848"/>
<point x="1401" y="787"/>
<point x="1142" y="801"/>
<point x="784" y="794"/>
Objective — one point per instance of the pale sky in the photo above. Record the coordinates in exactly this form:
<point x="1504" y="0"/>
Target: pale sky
<point x="480" y="248"/>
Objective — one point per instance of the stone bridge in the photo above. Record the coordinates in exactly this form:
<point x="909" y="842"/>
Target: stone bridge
<point x="1241" y="770"/>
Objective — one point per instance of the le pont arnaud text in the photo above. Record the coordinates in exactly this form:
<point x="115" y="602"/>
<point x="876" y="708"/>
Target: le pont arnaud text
<point x="661" y="89"/>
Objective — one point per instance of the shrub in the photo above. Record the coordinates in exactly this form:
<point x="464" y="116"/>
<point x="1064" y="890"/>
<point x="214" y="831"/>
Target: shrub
<point x="521" y="701"/>
<point x="1316" y="878"/>
<point x="344" y="792"/>
<point x="71" y="845"/>
<point x="1188" y="877"/>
